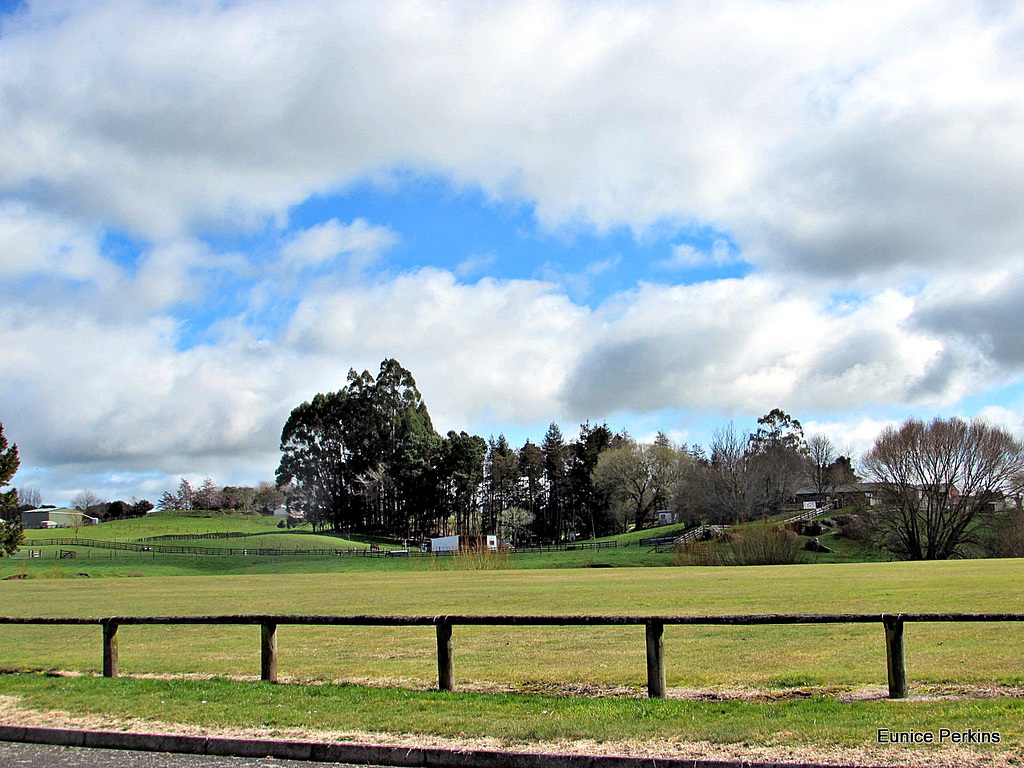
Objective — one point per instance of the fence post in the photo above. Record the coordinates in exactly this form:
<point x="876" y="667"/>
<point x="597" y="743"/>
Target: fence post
<point x="109" y="649"/>
<point x="268" y="652"/>
<point x="655" y="660"/>
<point x="894" y="659"/>
<point x="445" y="670"/>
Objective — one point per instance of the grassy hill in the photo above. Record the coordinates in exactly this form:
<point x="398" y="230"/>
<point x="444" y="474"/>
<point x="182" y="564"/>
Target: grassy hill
<point x="246" y="534"/>
<point x="165" y="523"/>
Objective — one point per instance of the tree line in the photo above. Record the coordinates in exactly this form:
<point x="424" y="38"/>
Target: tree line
<point x="367" y="459"/>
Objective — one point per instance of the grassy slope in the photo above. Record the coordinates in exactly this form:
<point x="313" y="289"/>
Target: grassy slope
<point x="163" y="523"/>
<point x="263" y="533"/>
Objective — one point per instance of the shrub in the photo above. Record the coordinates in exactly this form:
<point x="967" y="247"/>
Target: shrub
<point x="766" y="545"/>
<point x="758" y="545"/>
<point x="700" y="553"/>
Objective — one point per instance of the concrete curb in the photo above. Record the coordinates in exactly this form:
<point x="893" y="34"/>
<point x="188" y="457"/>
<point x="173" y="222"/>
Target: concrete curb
<point x="358" y="754"/>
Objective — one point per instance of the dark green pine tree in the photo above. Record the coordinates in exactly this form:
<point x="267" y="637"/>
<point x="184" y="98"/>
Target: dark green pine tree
<point x="11" y="533"/>
<point x="554" y="449"/>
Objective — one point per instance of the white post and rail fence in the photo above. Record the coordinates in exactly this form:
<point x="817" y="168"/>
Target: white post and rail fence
<point x="893" y="624"/>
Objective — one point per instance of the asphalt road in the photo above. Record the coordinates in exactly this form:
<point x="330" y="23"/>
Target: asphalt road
<point x="15" y="755"/>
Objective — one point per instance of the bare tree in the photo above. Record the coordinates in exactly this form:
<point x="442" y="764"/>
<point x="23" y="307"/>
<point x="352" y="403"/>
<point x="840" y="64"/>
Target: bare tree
<point x="727" y="484"/>
<point x="31" y="498"/>
<point x="85" y="499"/>
<point x="944" y="481"/>
<point x="821" y="452"/>
<point x="207" y="496"/>
<point x="516" y="523"/>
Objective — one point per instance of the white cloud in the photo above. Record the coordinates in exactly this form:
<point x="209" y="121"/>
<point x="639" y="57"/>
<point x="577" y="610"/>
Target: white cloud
<point x="747" y="344"/>
<point x="39" y="244"/>
<point x="360" y="241"/>
<point x="81" y="393"/>
<point x="833" y="136"/>
<point x="875" y="148"/>
<point x="686" y="256"/>
<point x="474" y="266"/>
<point x="501" y="348"/>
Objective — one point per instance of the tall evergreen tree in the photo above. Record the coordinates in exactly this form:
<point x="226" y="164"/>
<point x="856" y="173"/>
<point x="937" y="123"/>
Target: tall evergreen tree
<point x="590" y="504"/>
<point x="778" y="453"/>
<point x="11" y="533"/>
<point x="459" y="474"/>
<point x="533" y="483"/>
<point x="502" y="481"/>
<point x="554" y="449"/>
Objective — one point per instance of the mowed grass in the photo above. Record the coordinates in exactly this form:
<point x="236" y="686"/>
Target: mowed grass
<point x="824" y="655"/>
<point x="164" y="523"/>
<point x="273" y="709"/>
<point x="378" y="679"/>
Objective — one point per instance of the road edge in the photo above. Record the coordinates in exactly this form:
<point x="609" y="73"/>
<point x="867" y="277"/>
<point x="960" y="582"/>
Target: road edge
<point x="357" y="754"/>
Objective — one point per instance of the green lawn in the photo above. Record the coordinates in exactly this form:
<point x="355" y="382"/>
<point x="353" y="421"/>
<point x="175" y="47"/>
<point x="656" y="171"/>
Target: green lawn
<point x="760" y="656"/>
<point x="813" y="663"/>
<point x="793" y="722"/>
<point x="164" y="523"/>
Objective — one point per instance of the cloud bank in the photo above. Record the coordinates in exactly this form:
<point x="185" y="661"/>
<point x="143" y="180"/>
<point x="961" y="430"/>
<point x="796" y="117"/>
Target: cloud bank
<point x="865" y="161"/>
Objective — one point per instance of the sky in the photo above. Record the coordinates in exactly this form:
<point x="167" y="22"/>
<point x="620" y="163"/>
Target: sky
<point x="655" y="215"/>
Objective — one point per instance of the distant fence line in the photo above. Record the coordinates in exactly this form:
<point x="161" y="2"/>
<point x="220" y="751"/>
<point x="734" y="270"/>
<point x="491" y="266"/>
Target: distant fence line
<point x="143" y="546"/>
<point x="654" y="633"/>
<point x="195" y="536"/>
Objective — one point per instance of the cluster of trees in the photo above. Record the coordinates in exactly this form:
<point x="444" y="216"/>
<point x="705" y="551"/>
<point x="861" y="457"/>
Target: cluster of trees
<point x="367" y="459"/>
<point x="89" y="503"/>
<point x="261" y="499"/>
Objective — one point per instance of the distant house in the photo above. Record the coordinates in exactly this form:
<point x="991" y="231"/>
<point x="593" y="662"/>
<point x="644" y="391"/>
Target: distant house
<point x="61" y="517"/>
<point x="850" y="495"/>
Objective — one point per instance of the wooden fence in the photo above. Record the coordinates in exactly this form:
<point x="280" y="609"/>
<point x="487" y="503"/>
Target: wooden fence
<point x="654" y="629"/>
<point x="142" y="545"/>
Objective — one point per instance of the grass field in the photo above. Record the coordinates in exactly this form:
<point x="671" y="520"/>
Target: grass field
<point x="253" y="531"/>
<point x="759" y="656"/>
<point x="799" y="670"/>
<point x="380" y="679"/>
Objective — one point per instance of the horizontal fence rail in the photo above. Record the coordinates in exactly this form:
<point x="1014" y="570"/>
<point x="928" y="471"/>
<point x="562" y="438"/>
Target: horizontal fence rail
<point x="143" y="545"/>
<point x="892" y="623"/>
<point x="213" y="535"/>
<point x="171" y="549"/>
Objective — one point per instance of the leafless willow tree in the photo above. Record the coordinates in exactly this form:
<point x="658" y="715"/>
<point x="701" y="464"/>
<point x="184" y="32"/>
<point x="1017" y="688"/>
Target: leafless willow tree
<point x="944" y="481"/>
<point x="640" y="478"/>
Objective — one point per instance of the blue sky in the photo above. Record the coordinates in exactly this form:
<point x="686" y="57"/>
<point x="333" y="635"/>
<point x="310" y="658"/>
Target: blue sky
<point x="655" y="216"/>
